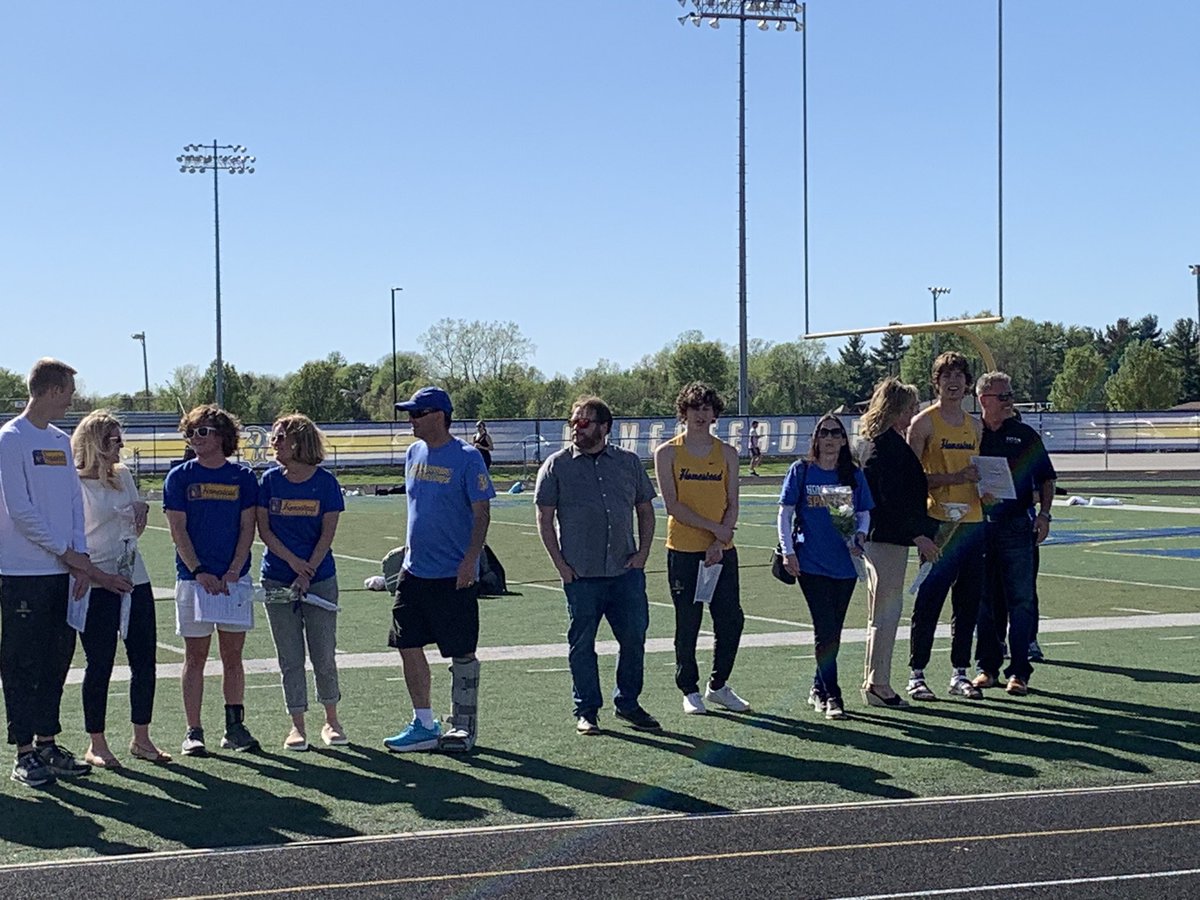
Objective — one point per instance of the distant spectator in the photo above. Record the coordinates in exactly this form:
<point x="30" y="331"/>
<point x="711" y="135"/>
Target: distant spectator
<point x="752" y="439"/>
<point x="482" y="441"/>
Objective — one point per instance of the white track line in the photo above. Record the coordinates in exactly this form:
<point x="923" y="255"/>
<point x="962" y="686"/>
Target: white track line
<point x="1099" y="879"/>
<point x="1169" y="587"/>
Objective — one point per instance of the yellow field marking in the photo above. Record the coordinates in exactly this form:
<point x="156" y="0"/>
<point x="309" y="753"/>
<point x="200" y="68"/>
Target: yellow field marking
<point x="696" y="858"/>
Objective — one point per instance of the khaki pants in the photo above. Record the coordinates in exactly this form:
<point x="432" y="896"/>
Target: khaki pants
<point x="886" y="568"/>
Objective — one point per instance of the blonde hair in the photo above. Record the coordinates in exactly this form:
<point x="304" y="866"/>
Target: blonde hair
<point x="892" y="398"/>
<point x="87" y="446"/>
<point x="308" y="442"/>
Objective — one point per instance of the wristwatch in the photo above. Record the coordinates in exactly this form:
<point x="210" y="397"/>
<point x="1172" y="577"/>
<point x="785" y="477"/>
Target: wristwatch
<point x="199" y="570"/>
<point x="1046" y="516"/>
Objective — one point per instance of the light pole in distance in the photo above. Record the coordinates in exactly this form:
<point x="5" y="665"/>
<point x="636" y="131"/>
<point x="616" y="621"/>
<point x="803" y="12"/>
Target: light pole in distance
<point x="141" y="336"/>
<point x="395" y="399"/>
<point x="764" y="13"/>
<point x="199" y="158"/>
<point x="937" y="292"/>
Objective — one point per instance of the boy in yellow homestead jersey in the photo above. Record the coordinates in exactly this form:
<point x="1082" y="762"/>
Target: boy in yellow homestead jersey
<point x="698" y="480"/>
<point x="945" y="437"/>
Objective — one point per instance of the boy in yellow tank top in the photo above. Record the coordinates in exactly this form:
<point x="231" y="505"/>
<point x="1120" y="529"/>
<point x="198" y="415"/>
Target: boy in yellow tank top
<point x="945" y="437"/>
<point x="698" y="480"/>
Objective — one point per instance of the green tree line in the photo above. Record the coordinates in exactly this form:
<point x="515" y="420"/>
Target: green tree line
<point x="1129" y="365"/>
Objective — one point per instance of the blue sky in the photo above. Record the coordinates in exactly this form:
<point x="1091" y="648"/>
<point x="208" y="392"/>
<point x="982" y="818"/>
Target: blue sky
<point x="572" y="166"/>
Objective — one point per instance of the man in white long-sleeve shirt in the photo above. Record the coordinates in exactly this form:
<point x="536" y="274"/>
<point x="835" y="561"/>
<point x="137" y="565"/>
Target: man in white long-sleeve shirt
<point x="42" y="546"/>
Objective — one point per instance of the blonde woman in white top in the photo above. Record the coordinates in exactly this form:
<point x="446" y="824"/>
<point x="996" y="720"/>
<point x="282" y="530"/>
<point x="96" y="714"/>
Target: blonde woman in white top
<point x="115" y="516"/>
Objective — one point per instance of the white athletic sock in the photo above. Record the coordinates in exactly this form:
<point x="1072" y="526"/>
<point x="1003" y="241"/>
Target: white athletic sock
<point x="424" y="716"/>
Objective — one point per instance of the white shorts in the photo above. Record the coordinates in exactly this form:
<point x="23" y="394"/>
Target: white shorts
<point x="185" y="613"/>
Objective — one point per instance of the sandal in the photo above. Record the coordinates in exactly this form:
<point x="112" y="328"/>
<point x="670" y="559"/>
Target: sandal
<point x="98" y="761"/>
<point x="149" y="754"/>
<point x="919" y="690"/>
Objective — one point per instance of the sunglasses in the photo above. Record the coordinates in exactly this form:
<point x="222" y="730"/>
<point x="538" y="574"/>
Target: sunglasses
<point x="1007" y="395"/>
<point x="114" y="440"/>
<point x="579" y="422"/>
<point x="830" y="433"/>
<point x="278" y="436"/>
<point x="419" y="413"/>
<point x="200" y="431"/>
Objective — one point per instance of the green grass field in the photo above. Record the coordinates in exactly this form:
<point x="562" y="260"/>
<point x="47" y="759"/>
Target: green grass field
<point x="1106" y="709"/>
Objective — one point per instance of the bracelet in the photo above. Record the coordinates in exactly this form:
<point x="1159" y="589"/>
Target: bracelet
<point x="199" y="570"/>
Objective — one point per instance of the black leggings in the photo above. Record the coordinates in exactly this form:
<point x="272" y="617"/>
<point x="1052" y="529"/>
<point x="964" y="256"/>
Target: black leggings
<point x="100" y="644"/>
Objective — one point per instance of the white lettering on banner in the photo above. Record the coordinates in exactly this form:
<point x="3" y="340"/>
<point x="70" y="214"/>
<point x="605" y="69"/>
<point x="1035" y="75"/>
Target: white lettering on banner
<point x="764" y="436"/>
<point x="629" y="435"/>
<point x="735" y="434"/>
<point x="255" y="444"/>
<point x="656" y="435"/>
<point x="787" y="436"/>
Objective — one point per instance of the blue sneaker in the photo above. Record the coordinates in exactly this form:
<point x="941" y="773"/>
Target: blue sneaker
<point x="415" y="737"/>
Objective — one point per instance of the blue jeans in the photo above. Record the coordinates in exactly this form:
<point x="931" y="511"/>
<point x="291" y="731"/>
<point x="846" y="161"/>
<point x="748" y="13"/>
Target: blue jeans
<point x="1008" y="584"/>
<point x="622" y="600"/>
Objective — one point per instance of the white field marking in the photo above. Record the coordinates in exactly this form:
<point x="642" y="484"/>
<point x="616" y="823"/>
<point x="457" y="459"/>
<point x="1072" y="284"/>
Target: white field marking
<point x="1151" y="612"/>
<point x="1135" y="507"/>
<point x="1176" y="587"/>
<point x="170" y="647"/>
<point x="1182" y="637"/>
<point x="540" y="587"/>
<point x="1134" y="552"/>
<point x="142" y="858"/>
<point x="539" y="671"/>
<point x="1015" y="885"/>
<point x="1068" y="643"/>
<point x="361" y="559"/>
<point x="667" y="645"/>
<point x="747" y="616"/>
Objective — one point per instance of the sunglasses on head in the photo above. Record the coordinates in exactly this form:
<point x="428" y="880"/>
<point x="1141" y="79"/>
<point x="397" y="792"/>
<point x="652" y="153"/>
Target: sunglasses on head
<point x="579" y="422"/>
<point x="830" y="432"/>
<point x="1007" y="395"/>
<point x="419" y="413"/>
<point x="200" y="431"/>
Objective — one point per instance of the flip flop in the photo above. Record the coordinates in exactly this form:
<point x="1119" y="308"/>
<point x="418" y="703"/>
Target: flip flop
<point x="149" y="754"/>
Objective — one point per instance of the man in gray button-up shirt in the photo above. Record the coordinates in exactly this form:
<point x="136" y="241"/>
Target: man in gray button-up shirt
<point x="594" y="489"/>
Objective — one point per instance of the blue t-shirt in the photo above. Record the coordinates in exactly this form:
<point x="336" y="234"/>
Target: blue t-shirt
<point x="823" y="550"/>
<point x="296" y="513"/>
<point x="441" y="485"/>
<point x="213" y="500"/>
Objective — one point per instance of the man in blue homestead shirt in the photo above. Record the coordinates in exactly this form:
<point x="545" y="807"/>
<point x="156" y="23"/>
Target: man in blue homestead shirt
<point x="437" y="599"/>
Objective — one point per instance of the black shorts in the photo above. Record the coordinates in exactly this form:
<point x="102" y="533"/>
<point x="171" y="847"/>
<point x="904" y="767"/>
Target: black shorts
<point x="755" y="453"/>
<point x="434" y="611"/>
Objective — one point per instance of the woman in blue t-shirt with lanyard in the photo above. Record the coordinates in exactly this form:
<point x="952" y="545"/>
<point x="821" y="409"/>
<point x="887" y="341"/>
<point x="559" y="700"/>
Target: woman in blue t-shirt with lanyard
<point x="825" y="484"/>
<point x="298" y="508"/>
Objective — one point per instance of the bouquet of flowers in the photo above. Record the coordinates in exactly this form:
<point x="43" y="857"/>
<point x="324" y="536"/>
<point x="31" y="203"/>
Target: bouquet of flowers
<point x="839" y="500"/>
<point x="954" y="512"/>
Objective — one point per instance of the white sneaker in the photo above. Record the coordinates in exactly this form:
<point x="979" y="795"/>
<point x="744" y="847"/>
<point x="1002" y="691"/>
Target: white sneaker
<point x="725" y="697"/>
<point x="693" y="705"/>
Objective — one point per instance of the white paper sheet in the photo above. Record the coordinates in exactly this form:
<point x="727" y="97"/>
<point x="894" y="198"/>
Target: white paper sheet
<point x="995" y="477"/>
<point x="77" y="610"/>
<point x="706" y="581"/>
<point x="234" y="608"/>
<point x="126" y="605"/>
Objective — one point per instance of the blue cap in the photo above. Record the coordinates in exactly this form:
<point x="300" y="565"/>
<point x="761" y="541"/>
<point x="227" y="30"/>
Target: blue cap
<point x="428" y="398"/>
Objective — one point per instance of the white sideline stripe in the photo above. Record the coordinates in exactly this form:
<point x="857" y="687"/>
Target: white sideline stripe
<point x="1169" y="587"/>
<point x="1097" y="879"/>
<point x="1135" y="552"/>
<point x="578" y="824"/>
<point x="1129" y="609"/>
<point x="665" y="645"/>
<point x="747" y="617"/>
<point x="170" y="647"/>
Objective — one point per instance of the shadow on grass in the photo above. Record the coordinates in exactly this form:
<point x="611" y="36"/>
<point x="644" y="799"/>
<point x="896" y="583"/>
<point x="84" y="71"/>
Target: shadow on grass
<point x="199" y="809"/>
<point x="780" y="766"/>
<point x="375" y="777"/>
<point x="1145" y="676"/>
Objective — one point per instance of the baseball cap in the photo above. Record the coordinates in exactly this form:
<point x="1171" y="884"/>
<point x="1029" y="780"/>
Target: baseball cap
<point x="428" y="398"/>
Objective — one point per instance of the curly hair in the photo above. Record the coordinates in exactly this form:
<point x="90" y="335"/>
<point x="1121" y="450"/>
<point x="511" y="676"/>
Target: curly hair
<point x="695" y="395"/>
<point x="227" y="424"/>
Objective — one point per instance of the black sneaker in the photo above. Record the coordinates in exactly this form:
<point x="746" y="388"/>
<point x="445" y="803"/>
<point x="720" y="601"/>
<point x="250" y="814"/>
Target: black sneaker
<point x="193" y="743"/>
<point x="61" y="763"/>
<point x="29" y="769"/>
<point x="639" y="719"/>
<point x="238" y="737"/>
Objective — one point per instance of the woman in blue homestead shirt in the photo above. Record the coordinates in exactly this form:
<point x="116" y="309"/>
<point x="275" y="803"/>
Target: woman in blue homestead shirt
<point x="816" y="488"/>
<point x="298" y="508"/>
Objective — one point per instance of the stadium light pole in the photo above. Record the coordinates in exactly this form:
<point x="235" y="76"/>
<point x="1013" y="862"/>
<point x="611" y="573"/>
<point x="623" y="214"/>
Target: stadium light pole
<point x="141" y="336"/>
<point x="937" y="292"/>
<point x="199" y="158"/>
<point x="1195" y="270"/>
<point x="764" y="13"/>
<point x="395" y="400"/>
